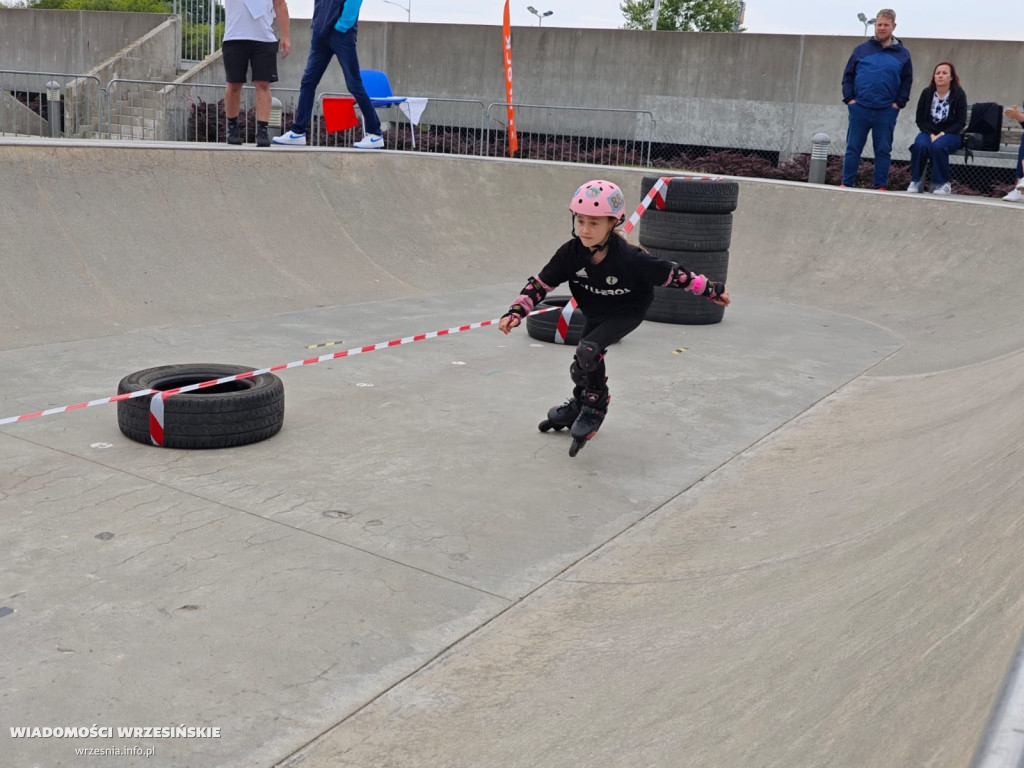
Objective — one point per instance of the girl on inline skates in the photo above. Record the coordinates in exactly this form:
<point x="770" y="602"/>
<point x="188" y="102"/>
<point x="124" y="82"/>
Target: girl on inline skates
<point x="613" y="284"/>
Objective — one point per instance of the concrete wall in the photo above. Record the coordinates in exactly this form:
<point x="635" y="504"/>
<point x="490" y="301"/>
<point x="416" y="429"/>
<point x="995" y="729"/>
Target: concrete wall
<point x="759" y="91"/>
<point x="151" y="57"/>
<point x="71" y="42"/>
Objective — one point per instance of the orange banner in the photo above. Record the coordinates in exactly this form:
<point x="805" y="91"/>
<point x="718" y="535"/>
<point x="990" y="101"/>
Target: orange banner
<point x="513" y="138"/>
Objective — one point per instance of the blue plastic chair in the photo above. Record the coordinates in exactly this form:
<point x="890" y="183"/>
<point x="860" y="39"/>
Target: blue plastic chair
<point x="378" y="88"/>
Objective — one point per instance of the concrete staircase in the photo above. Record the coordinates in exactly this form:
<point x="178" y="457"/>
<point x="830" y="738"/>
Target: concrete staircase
<point x="138" y="110"/>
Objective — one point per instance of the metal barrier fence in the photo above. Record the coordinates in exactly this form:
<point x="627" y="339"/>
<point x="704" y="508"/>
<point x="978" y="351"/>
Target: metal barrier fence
<point x="202" y="27"/>
<point x="445" y="126"/>
<point x="573" y="134"/>
<point x="174" y="111"/>
<point x="49" y="103"/>
<point x="166" y="111"/>
<point x="986" y="174"/>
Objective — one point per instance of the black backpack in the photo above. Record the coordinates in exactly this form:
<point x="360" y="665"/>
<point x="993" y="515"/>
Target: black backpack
<point x="985" y="131"/>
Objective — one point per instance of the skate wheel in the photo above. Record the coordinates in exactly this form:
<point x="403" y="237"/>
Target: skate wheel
<point x="545" y="425"/>
<point x="577" y="443"/>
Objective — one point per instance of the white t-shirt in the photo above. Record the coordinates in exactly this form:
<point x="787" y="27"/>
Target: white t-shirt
<point x="249" y="20"/>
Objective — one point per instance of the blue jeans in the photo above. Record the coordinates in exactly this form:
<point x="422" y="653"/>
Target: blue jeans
<point x="937" y="151"/>
<point x="1020" y="161"/>
<point x="321" y="49"/>
<point x="881" y="123"/>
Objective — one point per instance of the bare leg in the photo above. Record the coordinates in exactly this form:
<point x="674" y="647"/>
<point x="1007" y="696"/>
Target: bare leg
<point x="262" y="99"/>
<point x="233" y="99"/>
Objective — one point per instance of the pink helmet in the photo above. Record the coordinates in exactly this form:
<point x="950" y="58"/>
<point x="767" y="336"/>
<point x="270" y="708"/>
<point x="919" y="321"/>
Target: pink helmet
<point x="598" y="198"/>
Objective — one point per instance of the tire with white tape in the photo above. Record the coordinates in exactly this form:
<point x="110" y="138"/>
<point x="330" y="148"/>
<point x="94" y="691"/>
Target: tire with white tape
<point x="690" y="195"/>
<point x="565" y="327"/>
<point x="238" y="412"/>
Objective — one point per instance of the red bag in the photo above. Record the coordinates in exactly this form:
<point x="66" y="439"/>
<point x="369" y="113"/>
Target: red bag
<point x="340" y="113"/>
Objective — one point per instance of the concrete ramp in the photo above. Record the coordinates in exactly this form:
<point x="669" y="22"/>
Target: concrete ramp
<point x="175" y="236"/>
<point x="795" y="541"/>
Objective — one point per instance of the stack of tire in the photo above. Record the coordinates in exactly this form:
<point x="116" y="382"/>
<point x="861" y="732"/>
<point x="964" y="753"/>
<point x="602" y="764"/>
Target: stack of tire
<point x="693" y="229"/>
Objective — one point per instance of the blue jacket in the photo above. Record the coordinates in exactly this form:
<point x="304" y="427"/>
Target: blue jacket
<point x="878" y="76"/>
<point x="327" y="13"/>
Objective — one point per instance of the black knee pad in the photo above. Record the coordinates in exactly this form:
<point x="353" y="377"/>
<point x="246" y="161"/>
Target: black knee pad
<point x="578" y="375"/>
<point x="588" y="356"/>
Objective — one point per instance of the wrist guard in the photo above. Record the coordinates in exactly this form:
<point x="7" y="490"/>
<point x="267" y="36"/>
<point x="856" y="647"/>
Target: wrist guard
<point x="533" y="293"/>
<point x="517" y="310"/>
<point x="698" y="285"/>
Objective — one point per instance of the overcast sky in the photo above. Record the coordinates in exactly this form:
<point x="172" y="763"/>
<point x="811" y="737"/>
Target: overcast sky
<point x="962" y="19"/>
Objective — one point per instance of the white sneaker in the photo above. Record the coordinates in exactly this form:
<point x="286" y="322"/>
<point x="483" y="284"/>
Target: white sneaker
<point x="291" y="138"/>
<point x="914" y="187"/>
<point x="945" y="189"/>
<point x="370" y="141"/>
<point x="1015" y="196"/>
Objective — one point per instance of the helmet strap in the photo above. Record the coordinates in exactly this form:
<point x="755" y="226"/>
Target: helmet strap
<point x="595" y="249"/>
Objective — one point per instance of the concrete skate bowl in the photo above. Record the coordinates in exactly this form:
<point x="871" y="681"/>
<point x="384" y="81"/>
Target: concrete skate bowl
<point x="794" y="542"/>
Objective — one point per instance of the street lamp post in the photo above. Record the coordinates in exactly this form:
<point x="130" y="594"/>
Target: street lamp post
<point x="406" y="8"/>
<point x="866" y="21"/>
<point x="739" y="18"/>
<point x="540" y="16"/>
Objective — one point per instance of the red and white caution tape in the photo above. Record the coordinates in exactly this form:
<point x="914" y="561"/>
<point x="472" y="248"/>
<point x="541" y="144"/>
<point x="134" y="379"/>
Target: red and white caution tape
<point x="156" y="414"/>
<point x="564" y="319"/>
<point x="156" y="404"/>
<point x="656" y="196"/>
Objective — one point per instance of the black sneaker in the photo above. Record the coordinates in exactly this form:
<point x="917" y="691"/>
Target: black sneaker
<point x="233" y="136"/>
<point x="262" y="137"/>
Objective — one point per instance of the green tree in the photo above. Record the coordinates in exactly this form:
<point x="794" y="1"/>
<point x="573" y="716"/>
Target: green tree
<point x="683" y="15"/>
<point x="138" y="6"/>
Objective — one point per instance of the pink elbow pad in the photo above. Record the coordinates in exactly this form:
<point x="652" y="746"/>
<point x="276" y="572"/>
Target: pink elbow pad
<point x="698" y="284"/>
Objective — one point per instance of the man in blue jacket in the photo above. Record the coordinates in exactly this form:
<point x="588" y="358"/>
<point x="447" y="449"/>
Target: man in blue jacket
<point x="876" y="86"/>
<point x="334" y="26"/>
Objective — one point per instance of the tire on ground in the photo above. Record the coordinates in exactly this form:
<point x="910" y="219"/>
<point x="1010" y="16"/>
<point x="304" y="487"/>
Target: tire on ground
<point x="686" y="231"/>
<point x="235" y="413"/>
<point x="543" y="326"/>
<point x="674" y="305"/>
<point x="695" y="195"/>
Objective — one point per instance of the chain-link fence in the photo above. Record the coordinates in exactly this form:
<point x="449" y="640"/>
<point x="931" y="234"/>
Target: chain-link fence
<point x="61" y="104"/>
<point x="573" y="134"/>
<point x="987" y="174"/>
<point x="443" y="126"/>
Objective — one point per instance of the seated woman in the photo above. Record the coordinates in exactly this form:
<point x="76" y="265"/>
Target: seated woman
<point x="1017" y="193"/>
<point x="941" y="116"/>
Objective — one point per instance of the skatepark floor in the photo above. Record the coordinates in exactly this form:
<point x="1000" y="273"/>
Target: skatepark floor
<point x="792" y="543"/>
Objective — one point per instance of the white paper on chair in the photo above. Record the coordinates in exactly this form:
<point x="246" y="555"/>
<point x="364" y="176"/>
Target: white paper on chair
<point x="413" y="107"/>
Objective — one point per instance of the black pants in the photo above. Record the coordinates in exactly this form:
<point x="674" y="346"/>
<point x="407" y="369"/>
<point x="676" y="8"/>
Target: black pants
<point x="603" y="333"/>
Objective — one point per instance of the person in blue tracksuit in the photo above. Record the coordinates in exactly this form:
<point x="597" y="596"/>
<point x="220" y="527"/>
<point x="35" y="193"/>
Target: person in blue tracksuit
<point x="334" y="26"/>
<point x="876" y="86"/>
